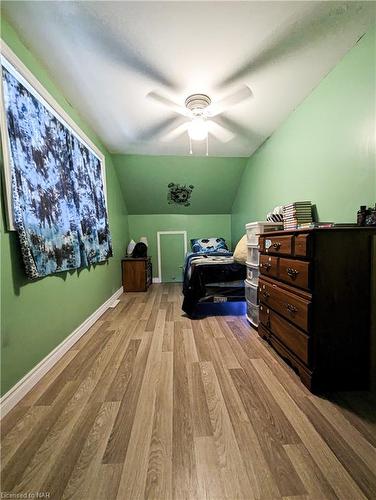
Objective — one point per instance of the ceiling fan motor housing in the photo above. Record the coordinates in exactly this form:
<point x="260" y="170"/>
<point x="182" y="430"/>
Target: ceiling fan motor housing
<point x="196" y="103"/>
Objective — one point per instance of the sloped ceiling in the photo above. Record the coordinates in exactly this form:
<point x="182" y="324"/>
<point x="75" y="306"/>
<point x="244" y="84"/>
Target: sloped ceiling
<point x="108" y="55"/>
<point x="144" y="181"/>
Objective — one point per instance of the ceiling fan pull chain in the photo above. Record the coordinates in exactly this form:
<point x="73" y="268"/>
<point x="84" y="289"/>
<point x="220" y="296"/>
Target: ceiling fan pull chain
<point x="207" y="145"/>
<point x="190" y="145"/>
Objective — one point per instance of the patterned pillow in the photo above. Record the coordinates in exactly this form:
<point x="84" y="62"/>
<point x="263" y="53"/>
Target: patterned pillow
<point x="208" y="245"/>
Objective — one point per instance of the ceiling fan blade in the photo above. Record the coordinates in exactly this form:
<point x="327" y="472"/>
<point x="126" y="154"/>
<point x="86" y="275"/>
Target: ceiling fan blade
<point x="156" y="131"/>
<point x="240" y="95"/>
<point x="165" y="101"/>
<point x="316" y="21"/>
<point x="175" y="133"/>
<point x="83" y="22"/>
<point x="221" y="133"/>
<point x="245" y="133"/>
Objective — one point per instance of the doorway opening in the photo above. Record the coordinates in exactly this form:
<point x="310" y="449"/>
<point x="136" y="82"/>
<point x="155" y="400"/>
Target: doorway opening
<point x="172" y="247"/>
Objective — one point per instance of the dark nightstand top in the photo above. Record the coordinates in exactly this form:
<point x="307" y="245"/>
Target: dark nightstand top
<point x="136" y="258"/>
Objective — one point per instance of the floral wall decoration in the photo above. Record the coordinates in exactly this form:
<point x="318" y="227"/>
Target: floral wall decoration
<point x="57" y="192"/>
<point x="179" y="194"/>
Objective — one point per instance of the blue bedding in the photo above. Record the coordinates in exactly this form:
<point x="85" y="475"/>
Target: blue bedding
<point x="190" y="255"/>
<point x="201" y="282"/>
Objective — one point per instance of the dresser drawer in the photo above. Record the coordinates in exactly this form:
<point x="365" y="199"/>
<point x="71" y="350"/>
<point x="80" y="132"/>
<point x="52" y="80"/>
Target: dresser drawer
<point x="264" y="312"/>
<point x="263" y="332"/>
<point x="302" y="245"/>
<point x="295" y="340"/>
<point x="269" y="265"/>
<point x="287" y="304"/>
<point x="294" y="272"/>
<point x="278" y="245"/>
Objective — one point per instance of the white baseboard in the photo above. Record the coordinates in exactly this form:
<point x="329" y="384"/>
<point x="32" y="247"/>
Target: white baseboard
<point x="157" y="280"/>
<point x="18" y="391"/>
<point x="114" y="303"/>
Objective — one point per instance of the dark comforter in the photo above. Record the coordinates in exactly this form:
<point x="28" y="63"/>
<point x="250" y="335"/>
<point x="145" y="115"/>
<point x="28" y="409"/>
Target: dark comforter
<point x="202" y="280"/>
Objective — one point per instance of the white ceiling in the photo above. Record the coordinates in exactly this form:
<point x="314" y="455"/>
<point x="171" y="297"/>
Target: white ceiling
<point x="106" y="56"/>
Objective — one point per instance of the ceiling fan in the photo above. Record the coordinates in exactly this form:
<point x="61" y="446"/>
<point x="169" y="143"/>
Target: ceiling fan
<point x="199" y="110"/>
<point x="317" y="19"/>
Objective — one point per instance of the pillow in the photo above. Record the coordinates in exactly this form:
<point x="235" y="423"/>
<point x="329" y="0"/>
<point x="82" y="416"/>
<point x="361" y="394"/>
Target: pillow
<point x="240" y="252"/>
<point x="208" y="245"/>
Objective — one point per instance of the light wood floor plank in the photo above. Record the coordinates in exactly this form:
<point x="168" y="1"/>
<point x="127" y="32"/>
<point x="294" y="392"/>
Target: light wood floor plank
<point x="151" y="404"/>
<point x="50" y="450"/>
<point x="15" y="437"/>
<point x="342" y="483"/>
<point x="119" y="439"/>
<point x="14" y="470"/>
<point x="168" y="336"/>
<point x="364" y="450"/>
<point x="101" y="324"/>
<point x="139" y="332"/>
<point x="106" y="483"/>
<point x="200" y="412"/>
<point x="232" y="399"/>
<point x="121" y="343"/>
<point x="227" y="355"/>
<point x="270" y="434"/>
<point x="311" y="476"/>
<point x="134" y="474"/>
<point x="159" y="473"/>
<point x="59" y="473"/>
<point x="259" y="474"/>
<point x="210" y="484"/>
<point x="12" y="418"/>
<point x="124" y="372"/>
<point x="351" y="461"/>
<point x="354" y="411"/>
<point x="41" y="387"/>
<point x="255" y="348"/>
<point x="83" y="480"/>
<point x="184" y="480"/>
<point x="78" y="367"/>
<point x="233" y="472"/>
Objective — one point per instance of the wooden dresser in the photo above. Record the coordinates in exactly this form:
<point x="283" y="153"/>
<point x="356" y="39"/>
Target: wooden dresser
<point x="315" y="303"/>
<point x="137" y="274"/>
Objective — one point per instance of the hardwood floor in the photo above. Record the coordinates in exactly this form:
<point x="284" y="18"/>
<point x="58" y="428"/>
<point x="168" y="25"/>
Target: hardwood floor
<point x="149" y="404"/>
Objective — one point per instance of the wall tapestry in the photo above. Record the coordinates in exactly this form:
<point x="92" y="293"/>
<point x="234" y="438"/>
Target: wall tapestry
<point x="58" y="200"/>
<point x="179" y="194"/>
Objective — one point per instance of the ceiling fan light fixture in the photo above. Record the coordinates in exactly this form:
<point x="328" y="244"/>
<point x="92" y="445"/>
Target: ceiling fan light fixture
<point x="198" y="129"/>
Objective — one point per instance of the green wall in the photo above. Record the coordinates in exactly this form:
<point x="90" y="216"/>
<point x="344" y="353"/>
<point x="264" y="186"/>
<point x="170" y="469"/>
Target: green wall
<point x="144" y="181"/>
<point x="324" y="152"/>
<point x="36" y="316"/>
<point x="197" y="226"/>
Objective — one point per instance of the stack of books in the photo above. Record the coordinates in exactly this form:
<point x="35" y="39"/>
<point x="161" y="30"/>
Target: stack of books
<point x="297" y="213"/>
<point x="316" y="225"/>
<point x="325" y="225"/>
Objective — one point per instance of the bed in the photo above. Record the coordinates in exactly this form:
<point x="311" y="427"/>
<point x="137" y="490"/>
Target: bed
<point x="212" y="277"/>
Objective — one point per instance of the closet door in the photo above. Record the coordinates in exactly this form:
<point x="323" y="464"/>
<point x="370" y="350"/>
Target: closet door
<point x="172" y="257"/>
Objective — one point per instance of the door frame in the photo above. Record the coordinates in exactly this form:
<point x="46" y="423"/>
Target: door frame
<point x="159" y="233"/>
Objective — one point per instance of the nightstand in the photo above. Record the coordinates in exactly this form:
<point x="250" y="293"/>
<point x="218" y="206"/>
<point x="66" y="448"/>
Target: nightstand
<point x="136" y="274"/>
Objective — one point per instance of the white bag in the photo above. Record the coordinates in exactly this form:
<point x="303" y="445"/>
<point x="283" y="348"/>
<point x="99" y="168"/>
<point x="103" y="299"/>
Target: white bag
<point x="130" y="247"/>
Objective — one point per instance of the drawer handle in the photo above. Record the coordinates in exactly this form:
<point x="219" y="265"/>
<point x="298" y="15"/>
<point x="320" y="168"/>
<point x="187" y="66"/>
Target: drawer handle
<point x="291" y="308"/>
<point x="267" y="266"/>
<point x="276" y="245"/>
<point x="293" y="273"/>
<point x="266" y="294"/>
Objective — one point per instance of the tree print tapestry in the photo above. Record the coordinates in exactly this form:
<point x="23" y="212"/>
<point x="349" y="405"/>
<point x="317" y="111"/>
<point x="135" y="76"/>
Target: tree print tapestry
<point x="58" y="201"/>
